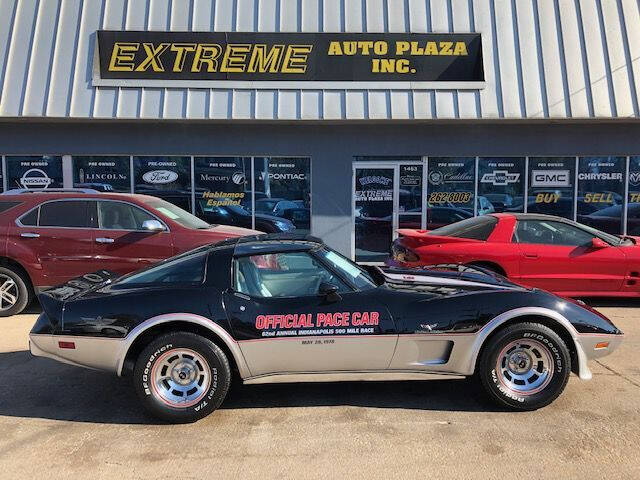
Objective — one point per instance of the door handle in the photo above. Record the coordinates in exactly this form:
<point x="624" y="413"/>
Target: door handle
<point x="531" y="255"/>
<point x="30" y="235"/>
<point x="104" y="240"/>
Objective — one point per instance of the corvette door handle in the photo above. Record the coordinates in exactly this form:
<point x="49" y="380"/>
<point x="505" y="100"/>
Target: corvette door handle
<point x="30" y="235"/>
<point x="104" y="240"/>
<point x="531" y="255"/>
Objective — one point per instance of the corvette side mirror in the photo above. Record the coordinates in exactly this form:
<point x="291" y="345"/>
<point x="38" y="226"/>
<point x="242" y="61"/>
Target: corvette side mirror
<point x="329" y="291"/>
<point x="598" y="243"/>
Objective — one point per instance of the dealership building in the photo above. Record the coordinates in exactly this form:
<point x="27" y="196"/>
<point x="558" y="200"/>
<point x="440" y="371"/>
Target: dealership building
<point x="346" y="118"/>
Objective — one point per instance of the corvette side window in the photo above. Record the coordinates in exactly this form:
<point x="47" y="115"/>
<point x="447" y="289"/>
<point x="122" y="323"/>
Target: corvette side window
<point x="551" y="233"/>
<point x="292" y="274"/>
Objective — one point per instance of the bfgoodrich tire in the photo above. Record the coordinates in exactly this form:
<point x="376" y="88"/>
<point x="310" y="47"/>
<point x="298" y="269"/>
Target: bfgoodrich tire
<point x="526" y="366"/>
<point x="15" y="293"/>
<point x="181" y="377"/>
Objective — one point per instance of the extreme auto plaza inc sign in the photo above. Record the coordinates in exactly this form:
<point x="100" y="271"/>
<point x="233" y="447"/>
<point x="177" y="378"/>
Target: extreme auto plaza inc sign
<point x="132" y="58"/>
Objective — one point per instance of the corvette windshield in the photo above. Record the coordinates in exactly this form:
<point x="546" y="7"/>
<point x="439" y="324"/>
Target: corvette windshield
<point x="359" y="277"/>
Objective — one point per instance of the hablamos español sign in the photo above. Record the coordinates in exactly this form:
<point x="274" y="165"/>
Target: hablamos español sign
<point x="295" y="60"/>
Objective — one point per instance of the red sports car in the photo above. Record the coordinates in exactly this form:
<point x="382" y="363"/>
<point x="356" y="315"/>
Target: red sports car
<point x="542" y="251"/>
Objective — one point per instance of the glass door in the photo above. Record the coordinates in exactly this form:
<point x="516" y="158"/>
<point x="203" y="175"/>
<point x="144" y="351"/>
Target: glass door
<point x="386" y="196"/>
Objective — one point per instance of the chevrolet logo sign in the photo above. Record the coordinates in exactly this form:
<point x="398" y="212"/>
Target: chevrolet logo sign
<point x="500" y="177"/>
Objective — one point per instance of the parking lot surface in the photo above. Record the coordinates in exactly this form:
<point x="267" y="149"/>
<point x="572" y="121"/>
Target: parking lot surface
<point x="59" y="421"/>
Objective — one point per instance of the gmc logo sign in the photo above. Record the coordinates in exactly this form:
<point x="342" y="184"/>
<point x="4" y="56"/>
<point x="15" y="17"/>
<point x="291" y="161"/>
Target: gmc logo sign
<point x="550" y="178"/>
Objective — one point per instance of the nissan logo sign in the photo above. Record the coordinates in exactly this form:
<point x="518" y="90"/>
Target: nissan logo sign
<point x="160" y="176"/>
<point x="35" y="178"/>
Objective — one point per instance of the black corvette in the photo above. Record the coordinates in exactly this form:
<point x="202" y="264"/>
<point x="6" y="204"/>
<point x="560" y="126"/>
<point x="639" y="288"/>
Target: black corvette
<point x="285" y="308"/>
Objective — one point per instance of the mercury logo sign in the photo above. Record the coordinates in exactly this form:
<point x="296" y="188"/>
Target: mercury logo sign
<point x="500" y="177"/>
<point x="238" y="178"/>
<point x="35" y="178"/>
<point x="160" y="176"/>
<point x="550" y="178"/>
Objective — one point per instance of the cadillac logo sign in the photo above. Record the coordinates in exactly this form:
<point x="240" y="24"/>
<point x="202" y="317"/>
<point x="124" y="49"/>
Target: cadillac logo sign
<point x="160" y="176"/>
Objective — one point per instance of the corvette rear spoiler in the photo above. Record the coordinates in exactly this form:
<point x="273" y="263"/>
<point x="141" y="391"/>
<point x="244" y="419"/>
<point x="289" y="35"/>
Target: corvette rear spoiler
<point x="52" y="300"/>
<point x="423" y="237"/>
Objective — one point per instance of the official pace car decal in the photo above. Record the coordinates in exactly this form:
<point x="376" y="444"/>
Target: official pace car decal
<point x="300" y="324"/>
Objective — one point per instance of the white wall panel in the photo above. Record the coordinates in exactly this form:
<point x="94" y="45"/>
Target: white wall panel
<point x="355" y="104"/>
<point x="579" y="93"/>
<point x="289" y="16"/>
<point x="631" y="14"/>
<point x="552" y="57"/>
<point x="618" y="67"/>
<point x="597" y="70"/>
<point x="41" y="56"/>
<point x="489" y="95"/>
<point x="266" y="104"/>
<point x="534" y="59"/>
<point x="288" y="104"/>
<point x="19" y="53"/>
<point x="529" y="55"/>
<point x="353" y="16"/>
<point x="379" y="107"/>
<point x="422" y="104"/>
<point x="507" y="58"/>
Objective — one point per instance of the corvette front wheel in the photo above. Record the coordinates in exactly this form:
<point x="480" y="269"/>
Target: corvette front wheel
<point x="526" y="366"/>
<point x="181" y="377"/>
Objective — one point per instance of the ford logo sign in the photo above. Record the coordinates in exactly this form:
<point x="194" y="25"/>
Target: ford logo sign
<point x="160" y="176"/>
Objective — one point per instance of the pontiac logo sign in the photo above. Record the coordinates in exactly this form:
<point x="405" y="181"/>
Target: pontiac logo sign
<point x="160" y="176"/>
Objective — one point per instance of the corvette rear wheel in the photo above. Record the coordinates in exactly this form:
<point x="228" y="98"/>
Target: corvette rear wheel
<point x="525" y="366"/>
<point x="182" y="377"/>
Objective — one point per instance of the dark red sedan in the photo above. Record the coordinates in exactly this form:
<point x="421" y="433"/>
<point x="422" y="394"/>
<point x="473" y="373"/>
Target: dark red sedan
<point x="49" y="237"/>
<point x="542" y="251"/>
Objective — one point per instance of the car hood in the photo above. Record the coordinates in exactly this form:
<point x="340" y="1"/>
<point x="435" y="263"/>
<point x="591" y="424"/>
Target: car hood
<point x="271" y="218"/>
<point x="228" y="230"/>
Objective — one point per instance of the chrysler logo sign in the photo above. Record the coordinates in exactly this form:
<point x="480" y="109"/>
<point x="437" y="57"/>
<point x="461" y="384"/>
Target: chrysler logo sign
<point x="550" y="178"/>
<point x="500" y="177"/>
<point x="35" y="178"/>
<point x="160" y="176"/>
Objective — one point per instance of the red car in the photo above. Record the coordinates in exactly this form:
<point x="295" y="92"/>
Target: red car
<point x="48" y="238"/>
<point x="541" y="251"/>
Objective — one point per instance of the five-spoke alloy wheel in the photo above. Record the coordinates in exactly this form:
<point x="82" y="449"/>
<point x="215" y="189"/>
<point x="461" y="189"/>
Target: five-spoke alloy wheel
<point x="14" y="292"/>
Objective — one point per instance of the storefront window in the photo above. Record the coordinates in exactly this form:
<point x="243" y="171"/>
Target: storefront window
<point x="500" y="184"/>
<point x="223" y="191"/>
<point x="373" y="213"/>
<point x="451" y="183"/>
<point x="552" y="187"/>
<point x="34" y="172"/>
<point x="106" y="174"/>
<point x="168" y="178"/>
<point x="283" y="190"/>
<point x="601" y="189"/>
<point x="633" y="207"/>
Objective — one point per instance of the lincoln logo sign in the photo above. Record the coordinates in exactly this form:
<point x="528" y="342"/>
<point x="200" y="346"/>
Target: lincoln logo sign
<point x="133" y="58"/>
